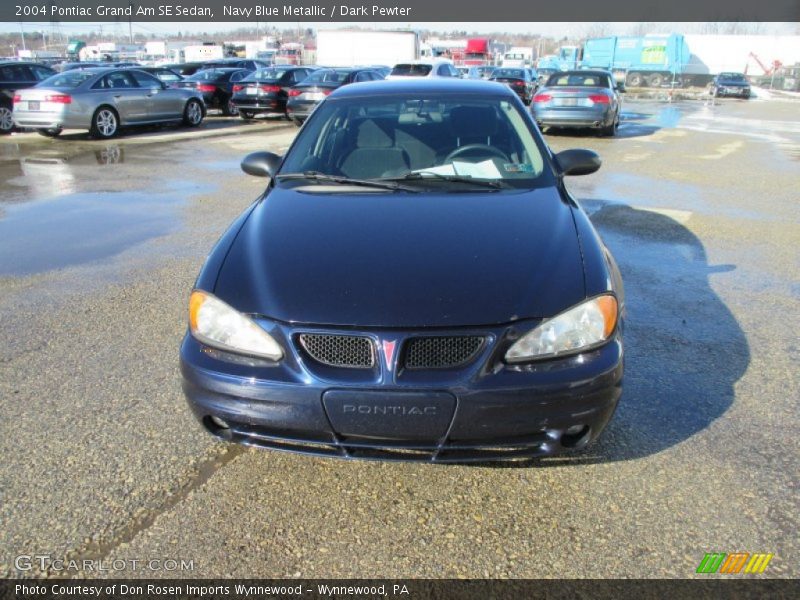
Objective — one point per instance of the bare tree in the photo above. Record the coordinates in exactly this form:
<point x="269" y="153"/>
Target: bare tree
<point x="597" y="30"/>
<point x="642" y="28"/>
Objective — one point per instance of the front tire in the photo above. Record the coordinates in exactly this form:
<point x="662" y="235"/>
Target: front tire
<point x="6" y="121"/>
<point x="656" y="80"/>
<point x="192" y="114"/>
<point x="51" y="133"/>
<point x="105" y="123"/>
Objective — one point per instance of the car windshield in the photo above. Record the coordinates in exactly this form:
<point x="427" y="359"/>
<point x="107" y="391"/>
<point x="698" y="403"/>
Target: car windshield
<point x="509" y="73"/>
<point x="422" y="139"/>
<point x="67" y="79"/>
<point x="328" y="76"/>
<point x="268" y="74"/>
<point x="731" y="77"/>
<point x="578" y="80"/>
<point x="411" y="70"/>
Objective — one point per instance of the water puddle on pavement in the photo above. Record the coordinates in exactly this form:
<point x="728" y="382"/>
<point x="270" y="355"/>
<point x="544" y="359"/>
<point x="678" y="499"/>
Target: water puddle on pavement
<point x="76" y="228"/>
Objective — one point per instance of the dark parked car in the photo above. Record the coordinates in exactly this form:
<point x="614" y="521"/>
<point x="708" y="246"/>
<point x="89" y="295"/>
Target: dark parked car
<point x="15" y="76"/>
<point x="731" y="84"/>
<point x="216" y="86"/>
<point x="239" y="63"/>
<point x="267" y="90"/>
<point x="190" y="68"/>
<point x="415" y="283"/>
<point x="69" y="66"/>
<point x="185" y="69"/>
<point x="579" y="99"/>
<point x="518" y="80"/>
<point x="305" y="96"/>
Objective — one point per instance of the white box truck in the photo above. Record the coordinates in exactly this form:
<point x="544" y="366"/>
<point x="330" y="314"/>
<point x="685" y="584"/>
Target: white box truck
<point x="347" y="48"/>
<point x="518" y="57"/>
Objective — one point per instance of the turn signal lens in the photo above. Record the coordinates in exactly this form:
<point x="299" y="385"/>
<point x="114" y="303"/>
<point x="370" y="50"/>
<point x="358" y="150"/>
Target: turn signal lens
<point x="581" y="327"/>
<point x="542" y="98"/>
<point x="294" y="93"/>
<point x="216" y="324"/>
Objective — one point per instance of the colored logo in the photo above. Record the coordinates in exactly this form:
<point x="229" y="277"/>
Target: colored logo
<point x="737" y="562"/>
<point x="388" y="353"/>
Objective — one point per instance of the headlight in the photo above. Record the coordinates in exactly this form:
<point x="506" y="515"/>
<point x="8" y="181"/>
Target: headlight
<point x="583" y="326"/>
<point x="215" y="323"/>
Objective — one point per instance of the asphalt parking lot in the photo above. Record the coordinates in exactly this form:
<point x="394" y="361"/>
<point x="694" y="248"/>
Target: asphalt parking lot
<point x="100" y="243"/>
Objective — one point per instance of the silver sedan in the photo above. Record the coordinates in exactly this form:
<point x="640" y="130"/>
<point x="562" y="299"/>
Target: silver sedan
<point x="102" y="100"/>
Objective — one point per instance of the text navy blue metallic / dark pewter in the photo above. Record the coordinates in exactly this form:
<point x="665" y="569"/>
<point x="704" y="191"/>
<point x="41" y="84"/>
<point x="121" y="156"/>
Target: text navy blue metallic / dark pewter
<point x="415" y="283"/>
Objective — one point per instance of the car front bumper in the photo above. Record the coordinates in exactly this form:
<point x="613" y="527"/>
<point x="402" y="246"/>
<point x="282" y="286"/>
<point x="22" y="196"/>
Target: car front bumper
<point x="734" y="91"/>
<point x="475" y="414"/>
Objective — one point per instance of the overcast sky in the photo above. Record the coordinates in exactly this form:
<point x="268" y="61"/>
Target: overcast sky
<point x="551" y="29"/>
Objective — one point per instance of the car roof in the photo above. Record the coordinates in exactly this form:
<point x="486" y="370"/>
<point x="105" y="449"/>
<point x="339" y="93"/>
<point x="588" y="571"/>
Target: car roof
<point x="413" y="85"/>
<point x="5" y="63"/>
<point x="583" y="72"/>
<point x="424" y="61"/>
<point x="223" y="69"/>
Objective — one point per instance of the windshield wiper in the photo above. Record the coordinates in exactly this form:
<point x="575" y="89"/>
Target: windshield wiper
<point x="374" y="183"/>
<point x="421" y="175"/>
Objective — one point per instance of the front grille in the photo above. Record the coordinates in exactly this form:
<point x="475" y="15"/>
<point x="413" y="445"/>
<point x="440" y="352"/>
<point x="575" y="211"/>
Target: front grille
<point x="352" y="351"/>
<point x="441" y="352"/>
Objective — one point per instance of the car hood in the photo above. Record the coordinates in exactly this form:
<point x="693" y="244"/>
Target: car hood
<point x="405" y="260"/>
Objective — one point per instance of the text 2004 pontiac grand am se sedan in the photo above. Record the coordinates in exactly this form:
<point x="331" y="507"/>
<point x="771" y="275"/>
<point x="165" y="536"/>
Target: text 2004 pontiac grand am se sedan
<point x="415" y="283"/>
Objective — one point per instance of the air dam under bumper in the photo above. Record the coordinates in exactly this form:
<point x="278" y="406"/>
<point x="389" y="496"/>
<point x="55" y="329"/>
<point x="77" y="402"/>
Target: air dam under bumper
<point x="514" y="412"/>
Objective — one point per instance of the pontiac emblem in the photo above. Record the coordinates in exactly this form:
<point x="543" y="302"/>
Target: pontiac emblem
<point x="388" y="353"/>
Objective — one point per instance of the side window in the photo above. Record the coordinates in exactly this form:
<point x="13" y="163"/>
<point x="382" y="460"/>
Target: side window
<point x="239" y="75"/>
<point x="5" y="74"/>
<point x="118" y="80"/>
<point x="443" y="71"/>
<point x="363" y="76"/>
<point x="145" y="80"/>
<point x="167" y="75"/>
<point x="454" y="72"/>
<point x="17" y="73"/>
<point x="40" y="72"/>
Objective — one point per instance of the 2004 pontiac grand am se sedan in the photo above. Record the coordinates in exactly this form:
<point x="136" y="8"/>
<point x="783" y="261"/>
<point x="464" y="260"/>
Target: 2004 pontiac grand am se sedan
<point x="415" y="283"/>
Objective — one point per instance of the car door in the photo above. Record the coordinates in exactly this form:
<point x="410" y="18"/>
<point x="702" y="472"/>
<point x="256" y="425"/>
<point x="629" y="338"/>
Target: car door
<point x="120" y="89"/>
<point x="163" y="103"/>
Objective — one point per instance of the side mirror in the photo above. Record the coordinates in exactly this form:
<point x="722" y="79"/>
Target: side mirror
<point x="620" y="87"/>
<point x="578" y="162"/>
<point x="261" y="164"/>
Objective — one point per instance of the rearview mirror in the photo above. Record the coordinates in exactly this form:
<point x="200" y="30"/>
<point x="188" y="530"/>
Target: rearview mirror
<point x="578" y="161"/>
<point x="261" y="164"/>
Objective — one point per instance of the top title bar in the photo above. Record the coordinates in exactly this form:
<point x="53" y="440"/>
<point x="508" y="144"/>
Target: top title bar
<point x="399" y="11"/>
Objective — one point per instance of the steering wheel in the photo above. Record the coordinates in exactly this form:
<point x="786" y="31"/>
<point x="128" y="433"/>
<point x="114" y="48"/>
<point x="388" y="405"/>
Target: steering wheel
<point x="491" y="150"/>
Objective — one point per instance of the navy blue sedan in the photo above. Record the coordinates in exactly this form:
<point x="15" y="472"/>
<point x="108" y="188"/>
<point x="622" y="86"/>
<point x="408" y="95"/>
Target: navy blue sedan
<point x="415" y="283"/>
